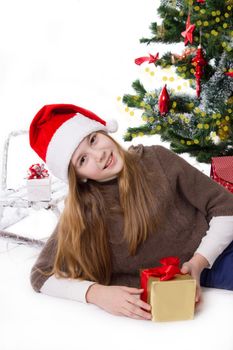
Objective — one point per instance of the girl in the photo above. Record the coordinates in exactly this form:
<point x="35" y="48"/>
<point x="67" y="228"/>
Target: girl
<point x="125" y="210"/>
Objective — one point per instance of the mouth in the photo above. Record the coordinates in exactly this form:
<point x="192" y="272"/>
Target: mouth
<point x="109" y="162"/>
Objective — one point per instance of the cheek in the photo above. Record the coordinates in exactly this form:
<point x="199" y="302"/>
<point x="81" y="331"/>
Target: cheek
<point x="120" y="164"/>
<point x="92" y="168"/>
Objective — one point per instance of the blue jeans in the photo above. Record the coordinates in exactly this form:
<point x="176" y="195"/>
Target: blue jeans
<point x="221" y="273"/>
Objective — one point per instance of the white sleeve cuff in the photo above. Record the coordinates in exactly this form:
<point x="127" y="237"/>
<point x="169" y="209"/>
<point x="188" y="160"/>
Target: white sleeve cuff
<point x="66" y="288"/>
<point x="217" y="238"/>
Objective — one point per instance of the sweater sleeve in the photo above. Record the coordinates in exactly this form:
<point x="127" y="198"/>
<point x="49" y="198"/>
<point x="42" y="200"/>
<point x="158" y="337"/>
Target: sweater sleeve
<point x="197" y="188"/>
<point x="66" y="288"/>
<point x="41" y="281"/>
<point x="44" y="263"/>
<point x="213" y="243"/>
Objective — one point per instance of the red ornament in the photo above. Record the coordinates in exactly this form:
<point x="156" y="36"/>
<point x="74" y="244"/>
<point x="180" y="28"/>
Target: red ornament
<point x="230" y="74"/>
<point x="164" y="100"/>
<point x="201" y="1"/>
<point x="150" y="59"/>
<point x="188" y="33"/>
<point x="200" y="63"/>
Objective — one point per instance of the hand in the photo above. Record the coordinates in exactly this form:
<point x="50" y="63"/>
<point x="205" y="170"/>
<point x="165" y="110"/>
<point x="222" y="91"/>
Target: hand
<point x="188" y="267"/>
<point x="194" y="267"/>
<point x="119" y="300"/>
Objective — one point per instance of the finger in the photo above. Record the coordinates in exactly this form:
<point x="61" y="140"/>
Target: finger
<point x="132" y="290"/>
<point x="185" y="268"/>
<point x="138" y="302"/>
<point x="129" y="314"/>
<point x="135" y="312"/>
<point x="198" y="294"/>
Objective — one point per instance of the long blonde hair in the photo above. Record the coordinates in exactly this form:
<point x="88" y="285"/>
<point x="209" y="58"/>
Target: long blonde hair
<point x="82" y="247"/>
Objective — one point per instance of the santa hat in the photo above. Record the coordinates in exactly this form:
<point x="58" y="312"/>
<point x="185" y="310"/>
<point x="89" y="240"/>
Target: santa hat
<point x="57" y="130"/>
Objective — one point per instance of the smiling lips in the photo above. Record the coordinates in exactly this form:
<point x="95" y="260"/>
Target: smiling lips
<point x="109" y="162"/>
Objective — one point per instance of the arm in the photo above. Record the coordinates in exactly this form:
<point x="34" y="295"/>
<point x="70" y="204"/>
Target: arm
<point x="218" y="237"/>
<point x="44" y="263"/>
<point x="118" y="300"/>
<point x="213" y="200"/>
<point x="67" y="288"/>
<point x="210" y="248"/>
<point x="210" y="198"/>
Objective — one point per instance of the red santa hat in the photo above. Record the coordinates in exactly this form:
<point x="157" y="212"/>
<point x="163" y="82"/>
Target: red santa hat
<point x="57" y="130"/>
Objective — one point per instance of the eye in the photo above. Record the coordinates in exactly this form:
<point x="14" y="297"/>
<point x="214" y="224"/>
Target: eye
<point x="92" y="138"/>
<point x="82" y="160"/>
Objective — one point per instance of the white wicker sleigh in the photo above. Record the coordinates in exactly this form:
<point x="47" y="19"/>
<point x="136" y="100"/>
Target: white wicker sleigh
<point x="17" y="198"/>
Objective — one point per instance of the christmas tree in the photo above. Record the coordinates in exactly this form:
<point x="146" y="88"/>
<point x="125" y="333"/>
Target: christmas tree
<point x="200" y="123"/>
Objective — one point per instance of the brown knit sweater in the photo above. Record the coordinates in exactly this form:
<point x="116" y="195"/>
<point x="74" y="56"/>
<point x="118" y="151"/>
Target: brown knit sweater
<point x="189" y="200"/>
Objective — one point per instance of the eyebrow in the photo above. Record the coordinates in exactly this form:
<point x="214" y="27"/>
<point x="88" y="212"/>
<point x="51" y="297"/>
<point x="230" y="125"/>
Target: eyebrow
<point x="85" y="138"/>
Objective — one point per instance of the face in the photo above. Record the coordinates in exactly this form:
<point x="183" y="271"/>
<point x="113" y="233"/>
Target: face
<point x="97" y="158"/>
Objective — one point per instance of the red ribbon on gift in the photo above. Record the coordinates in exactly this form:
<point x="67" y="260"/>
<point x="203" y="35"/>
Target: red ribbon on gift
<point x="166" y="272"/>
<point x="37" y="171"/>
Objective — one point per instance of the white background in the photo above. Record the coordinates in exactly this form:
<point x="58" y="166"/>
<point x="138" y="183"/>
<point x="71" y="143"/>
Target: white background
<point x="80" y="52"/>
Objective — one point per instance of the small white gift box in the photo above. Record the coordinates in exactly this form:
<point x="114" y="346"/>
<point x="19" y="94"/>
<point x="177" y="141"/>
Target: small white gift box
<point x="39" y="189"/>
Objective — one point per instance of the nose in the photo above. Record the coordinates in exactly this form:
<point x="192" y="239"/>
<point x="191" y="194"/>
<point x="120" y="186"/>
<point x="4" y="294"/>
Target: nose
<point x="100" y="156"/>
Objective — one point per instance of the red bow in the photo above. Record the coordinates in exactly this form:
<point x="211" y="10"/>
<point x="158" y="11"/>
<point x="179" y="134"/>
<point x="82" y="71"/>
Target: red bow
<point x="166" y="272"/>
<point x="37" y="171"/>
<point x="150" y="59"/>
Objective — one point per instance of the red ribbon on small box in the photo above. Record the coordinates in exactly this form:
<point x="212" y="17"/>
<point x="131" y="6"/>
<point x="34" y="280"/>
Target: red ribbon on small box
<point x="37" y="171"/>
<point x="166" y="272"/>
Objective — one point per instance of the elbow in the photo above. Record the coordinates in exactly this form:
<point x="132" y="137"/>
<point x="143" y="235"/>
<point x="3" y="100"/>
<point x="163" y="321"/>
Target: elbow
<point x="35" y="279"/>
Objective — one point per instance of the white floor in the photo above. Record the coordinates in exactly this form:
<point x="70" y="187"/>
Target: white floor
<point x="35" y="321"/>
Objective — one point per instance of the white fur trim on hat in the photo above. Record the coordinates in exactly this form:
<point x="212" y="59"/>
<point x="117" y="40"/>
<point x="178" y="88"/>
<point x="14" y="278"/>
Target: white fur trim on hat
<point x="112" y="125"/>
<point x="66" y="139"/>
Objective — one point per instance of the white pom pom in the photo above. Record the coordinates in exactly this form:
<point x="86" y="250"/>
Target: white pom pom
<point x="112" y="125"/>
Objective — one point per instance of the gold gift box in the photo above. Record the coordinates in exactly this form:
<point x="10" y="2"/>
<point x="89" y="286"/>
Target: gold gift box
<point x="172" y="300"/>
